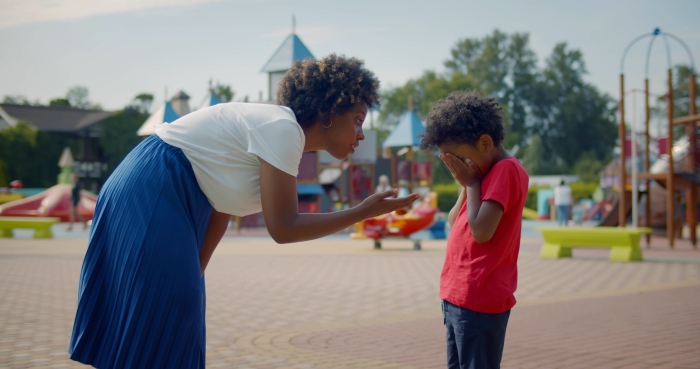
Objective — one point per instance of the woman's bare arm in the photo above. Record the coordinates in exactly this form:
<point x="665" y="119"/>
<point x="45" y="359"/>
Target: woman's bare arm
<point x="218" y="222"/>
<point x="278" y="191"/>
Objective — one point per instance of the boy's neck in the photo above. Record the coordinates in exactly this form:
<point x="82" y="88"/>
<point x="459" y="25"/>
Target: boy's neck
<point x="499" y="154"/>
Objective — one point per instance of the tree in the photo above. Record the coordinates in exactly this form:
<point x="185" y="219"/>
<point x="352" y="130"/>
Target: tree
<point x="587" y="167"/>
<point x="570" y="115"/>
<point x="502" y="66"/>
<point x="681" y="75"/>
<point x="78" y="98"/>
<point x="142" y="102"/>
<point x="533" y="155"/>
<point x="31" y="155"/>
<point x="425" y="90"/>
<point x="59" y="101"/>
<point x="119" y="133"/>
<point x="222" y="91"/>
<point x="19" y="100"/>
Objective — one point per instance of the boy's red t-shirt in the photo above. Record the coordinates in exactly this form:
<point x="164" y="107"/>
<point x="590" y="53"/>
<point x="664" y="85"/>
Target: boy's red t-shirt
<point x="483" y="276"/>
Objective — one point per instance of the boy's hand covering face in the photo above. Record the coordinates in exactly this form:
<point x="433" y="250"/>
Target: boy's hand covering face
<point x="464" y="171"/>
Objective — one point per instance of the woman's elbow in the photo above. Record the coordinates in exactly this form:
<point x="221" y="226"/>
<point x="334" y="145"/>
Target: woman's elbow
<point x="279" y="237"/>
<point x="280" y="234"/>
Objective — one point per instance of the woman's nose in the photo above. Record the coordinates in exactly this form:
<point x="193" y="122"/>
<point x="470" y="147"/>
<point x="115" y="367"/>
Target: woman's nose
<point x="361" y="136"/>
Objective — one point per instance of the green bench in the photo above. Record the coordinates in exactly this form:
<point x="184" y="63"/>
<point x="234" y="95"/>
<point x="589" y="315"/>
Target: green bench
<point x="41" y="226"/>
<point x="622" y="242"/>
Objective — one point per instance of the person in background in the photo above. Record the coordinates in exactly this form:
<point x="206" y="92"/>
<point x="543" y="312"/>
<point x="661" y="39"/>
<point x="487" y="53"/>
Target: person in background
<point x="562" y="200"/>
<point x="383" y="184"/>
<point x="75" y="200"/>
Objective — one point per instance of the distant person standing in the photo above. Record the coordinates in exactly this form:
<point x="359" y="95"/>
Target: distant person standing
<point x="562" y="200"/>
<point x="75" y="200"/>
<point x="383" y="184"/>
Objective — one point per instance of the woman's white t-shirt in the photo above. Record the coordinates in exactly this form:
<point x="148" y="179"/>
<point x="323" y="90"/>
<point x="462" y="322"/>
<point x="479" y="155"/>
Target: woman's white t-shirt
<point x="223" y="143"/>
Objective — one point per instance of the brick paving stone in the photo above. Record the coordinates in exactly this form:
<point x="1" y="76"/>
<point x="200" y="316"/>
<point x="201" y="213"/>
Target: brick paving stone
<point x="334" y="303"/>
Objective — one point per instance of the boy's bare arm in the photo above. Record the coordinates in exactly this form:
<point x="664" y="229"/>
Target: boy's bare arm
<point x="452" y="216"/>
<point x="483" y="216"/>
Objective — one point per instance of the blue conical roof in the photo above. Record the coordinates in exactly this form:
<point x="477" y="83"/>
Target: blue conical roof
<point x="210" y="100"/>
<point x="164" y="114"/>
<point x="291" y="50"/>
<point x="169" y="115"/>
<point x="407" y="132"/>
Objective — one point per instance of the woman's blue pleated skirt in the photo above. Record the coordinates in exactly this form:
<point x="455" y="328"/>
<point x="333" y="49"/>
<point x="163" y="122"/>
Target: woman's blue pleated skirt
<point x="141" y="297"/>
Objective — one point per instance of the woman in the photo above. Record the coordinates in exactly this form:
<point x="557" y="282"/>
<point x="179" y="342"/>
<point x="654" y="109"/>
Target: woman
<point x="162" y="212"/>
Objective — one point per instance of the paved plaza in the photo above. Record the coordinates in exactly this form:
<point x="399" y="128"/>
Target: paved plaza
<point x="337" y="303"/>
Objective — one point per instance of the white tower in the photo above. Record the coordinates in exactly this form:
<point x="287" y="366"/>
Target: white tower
<point x="291" y="50"/>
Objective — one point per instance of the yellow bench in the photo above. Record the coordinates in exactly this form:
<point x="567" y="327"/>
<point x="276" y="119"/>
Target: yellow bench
<point x="622" y="242"/>
<point x="41" y="226"/>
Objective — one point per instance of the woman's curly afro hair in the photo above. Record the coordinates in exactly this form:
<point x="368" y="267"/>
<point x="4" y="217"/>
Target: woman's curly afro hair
<point x="317" y="89"/>
<point x="462" y="117"/>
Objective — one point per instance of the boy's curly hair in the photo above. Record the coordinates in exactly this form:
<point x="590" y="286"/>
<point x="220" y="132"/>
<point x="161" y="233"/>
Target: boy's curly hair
<point x="462" y="117"/>
<point x="328" y="86"/>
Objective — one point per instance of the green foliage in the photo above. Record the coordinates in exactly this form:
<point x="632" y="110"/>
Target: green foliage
<point x="222" y="91"/>
<point x="19" y="100"/>
<point x="4" y="182"/>
<point x="30" y="155"/>
<point x="119" y="134"/>
<point x="17" y="151"/>
<point x="588" y="166"/>
<point x="533" y="156"/>
<point x="551" y="113"/>
<point x="425" y="90"/>
<point x="531" y="199"/>
<point x="59" y="101"/>
<point x="76" y="97"/>
<point x="681" y="97"/>
<point x="448" y="193"/>
<point x="583" y="190"/>
<point x="503" y="66"/>
<point x="570" y="115"/>
<point x="142" y="102"/>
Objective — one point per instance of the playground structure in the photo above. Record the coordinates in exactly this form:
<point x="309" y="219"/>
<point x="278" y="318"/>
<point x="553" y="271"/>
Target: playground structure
<point x="673" y="178"/>
<point x="55" y="201"/>
<point x="407" y="173"/>
<point x="399" y="223"/>
<point x="352" y="178"/>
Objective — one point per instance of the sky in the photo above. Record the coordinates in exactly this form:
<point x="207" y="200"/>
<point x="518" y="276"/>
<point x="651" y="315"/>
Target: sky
<point x="120" y="48"/>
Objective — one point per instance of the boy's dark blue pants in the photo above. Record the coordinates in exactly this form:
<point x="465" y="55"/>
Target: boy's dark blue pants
<point x="474" y="340"/>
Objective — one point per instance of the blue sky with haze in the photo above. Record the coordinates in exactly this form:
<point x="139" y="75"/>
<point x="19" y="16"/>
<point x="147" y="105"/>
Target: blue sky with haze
<point x="119" y="49"/>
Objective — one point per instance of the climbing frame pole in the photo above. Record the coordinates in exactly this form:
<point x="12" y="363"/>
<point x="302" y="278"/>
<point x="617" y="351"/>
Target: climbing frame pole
<point x="670" y="198"/>
<point x="647" y="160"/>
<point x="692" y="192"/>
<point x="623" y="141"/>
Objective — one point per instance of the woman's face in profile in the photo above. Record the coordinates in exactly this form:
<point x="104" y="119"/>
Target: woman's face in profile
<point x="345" y="133"/>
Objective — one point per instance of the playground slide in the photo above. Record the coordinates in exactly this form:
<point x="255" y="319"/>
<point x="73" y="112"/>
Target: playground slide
<point x="612" y="219"/>
<point x="54" y="202"/>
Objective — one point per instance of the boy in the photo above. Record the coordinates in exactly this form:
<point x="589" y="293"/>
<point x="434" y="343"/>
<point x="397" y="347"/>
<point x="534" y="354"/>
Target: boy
<point x="480" y="272"/>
